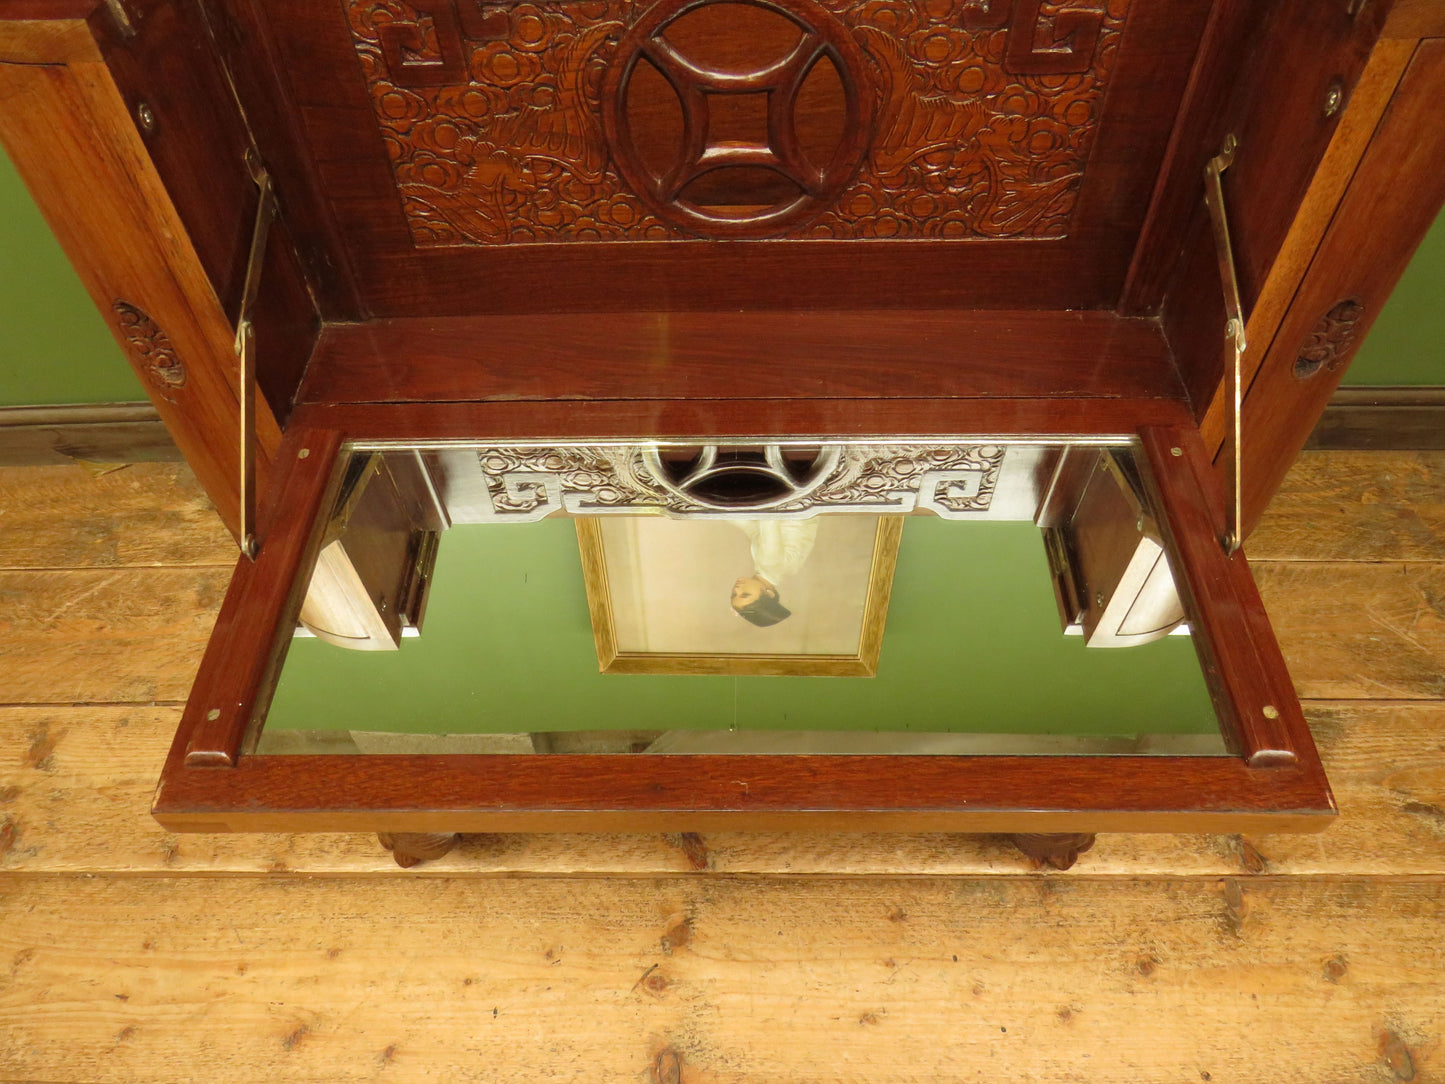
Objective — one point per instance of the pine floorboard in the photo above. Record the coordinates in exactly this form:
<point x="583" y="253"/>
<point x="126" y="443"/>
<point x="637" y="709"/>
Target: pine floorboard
<point x="128" y="953"/>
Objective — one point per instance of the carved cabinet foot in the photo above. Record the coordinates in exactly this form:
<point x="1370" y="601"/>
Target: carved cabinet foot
<point x="1059" y="850"/>
<point x="410" y="848"/>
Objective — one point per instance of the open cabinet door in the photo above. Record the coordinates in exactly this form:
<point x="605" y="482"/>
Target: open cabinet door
<point x="1259" y="772"/>
<point x="123" y="124"/>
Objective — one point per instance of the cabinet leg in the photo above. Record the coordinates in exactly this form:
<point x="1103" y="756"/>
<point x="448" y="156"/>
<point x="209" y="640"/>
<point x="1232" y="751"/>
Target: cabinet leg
<point x="410" y="848"/>
<point x="1059" y="850"/>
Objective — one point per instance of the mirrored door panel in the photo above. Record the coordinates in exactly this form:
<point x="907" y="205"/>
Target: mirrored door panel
<point x="810" y="598"/>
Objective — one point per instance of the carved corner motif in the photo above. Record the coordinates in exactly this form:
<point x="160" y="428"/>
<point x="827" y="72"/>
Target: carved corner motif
<point x="1061" y="43"/>
<point x="950" y="481"/>
<point x="150" y="349"/>
<point x="968" y="119"/>
<point x="1331" y="339"/>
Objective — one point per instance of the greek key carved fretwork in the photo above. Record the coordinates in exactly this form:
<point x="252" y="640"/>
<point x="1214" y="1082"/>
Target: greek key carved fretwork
<point x="975" y="120"/>
<point x="150" y="349"/>
<point x="1331" y="339"/>
<point x="952" y="481"/>
<point x="1059" y="44"/>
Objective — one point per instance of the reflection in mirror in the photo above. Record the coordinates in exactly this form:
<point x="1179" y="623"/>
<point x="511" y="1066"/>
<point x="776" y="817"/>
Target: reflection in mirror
<point x="836" y="598"/>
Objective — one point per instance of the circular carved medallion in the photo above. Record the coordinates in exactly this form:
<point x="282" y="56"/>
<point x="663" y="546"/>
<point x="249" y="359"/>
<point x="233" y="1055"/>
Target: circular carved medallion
<point x="737" y="118"/>
<point x="738" y="479"/>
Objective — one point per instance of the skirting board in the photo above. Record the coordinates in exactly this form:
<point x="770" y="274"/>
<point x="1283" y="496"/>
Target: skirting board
<point x="1358" y="418"/>
<point x="35" y="436"/>
<point x="1405" y="419"/>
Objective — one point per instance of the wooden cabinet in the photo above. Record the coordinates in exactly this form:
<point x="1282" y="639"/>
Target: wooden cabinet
<point x="624" y="222"/>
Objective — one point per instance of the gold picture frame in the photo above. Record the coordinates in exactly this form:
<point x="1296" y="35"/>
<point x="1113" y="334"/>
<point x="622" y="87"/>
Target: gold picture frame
<point x="873" y="597"/>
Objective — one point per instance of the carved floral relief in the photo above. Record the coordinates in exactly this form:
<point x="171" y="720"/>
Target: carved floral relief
<point x="979" y="121"/>
<point x="1331" y="339"/>
<point x="150" y="348"/>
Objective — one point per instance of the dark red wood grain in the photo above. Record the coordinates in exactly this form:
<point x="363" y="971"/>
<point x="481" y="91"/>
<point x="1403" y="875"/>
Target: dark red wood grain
<point x="208" y="785"/>
<point x="1246" y="674"/>
<point x="1391" y="202"/>
<point x="1085" y="269"/>
<point x="199" y="146"/>
<point x="1179" y="186"/>
<point x="1041" y="419"/>
<point x="694" y="793"/>
<point x="248" y="643"/>
<point x="1277" y="112"/>
<point x="743" y="355"/>
<point x="244" y="42"/>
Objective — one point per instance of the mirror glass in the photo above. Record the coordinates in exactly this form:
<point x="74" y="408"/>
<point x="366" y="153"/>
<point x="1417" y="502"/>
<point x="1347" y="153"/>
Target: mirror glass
<point x="953" y="597"/>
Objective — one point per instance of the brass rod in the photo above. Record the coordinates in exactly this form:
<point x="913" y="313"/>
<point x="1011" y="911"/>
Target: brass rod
<point x="246" y="341"/>
<point x="1234" y="332"/>
<point x="245" y="346"/>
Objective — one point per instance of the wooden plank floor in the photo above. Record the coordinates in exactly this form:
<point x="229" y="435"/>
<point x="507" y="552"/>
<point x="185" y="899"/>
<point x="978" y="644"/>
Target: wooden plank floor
<point x="128" y="953"/>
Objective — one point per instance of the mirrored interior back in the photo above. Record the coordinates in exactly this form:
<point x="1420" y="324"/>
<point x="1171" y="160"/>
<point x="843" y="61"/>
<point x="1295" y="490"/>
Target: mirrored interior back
<point x="949" y="597"/>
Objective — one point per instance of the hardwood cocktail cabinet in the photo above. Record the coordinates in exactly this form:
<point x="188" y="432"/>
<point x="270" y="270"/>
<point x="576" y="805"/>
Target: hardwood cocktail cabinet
<point x="1091" y="266"/>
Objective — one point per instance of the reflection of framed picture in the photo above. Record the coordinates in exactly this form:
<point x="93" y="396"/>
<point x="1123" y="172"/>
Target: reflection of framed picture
<point x="665" y="595"/>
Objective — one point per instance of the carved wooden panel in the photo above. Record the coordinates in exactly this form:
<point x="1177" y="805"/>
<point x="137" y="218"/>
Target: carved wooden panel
<point x="614" y="120"/>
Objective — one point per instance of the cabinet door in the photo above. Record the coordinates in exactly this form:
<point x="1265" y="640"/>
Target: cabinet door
<point x="980" y="714"/>
<point x="122" y="122"/>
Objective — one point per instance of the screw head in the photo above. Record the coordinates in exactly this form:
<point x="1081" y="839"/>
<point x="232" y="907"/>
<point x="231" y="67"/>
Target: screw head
<point x="1176" y="451"/>
<point x="145" y="117"/>
<point x="303" y="453"/>
<point x="1271" y="712"/>
<point x="213" y="714"/>
<point x="1334" y="97"/>
<point x="1099" y="599"/>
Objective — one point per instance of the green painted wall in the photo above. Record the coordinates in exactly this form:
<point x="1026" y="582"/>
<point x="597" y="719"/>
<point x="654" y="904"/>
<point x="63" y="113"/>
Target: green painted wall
<point x="54" y="346"/>
<point x="972" y="644"/>
<point x="1407" y="343"/>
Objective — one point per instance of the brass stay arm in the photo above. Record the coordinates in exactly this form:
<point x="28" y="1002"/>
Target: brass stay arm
<point x="245" y="346"/>
<point x="1234" y="332"/>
